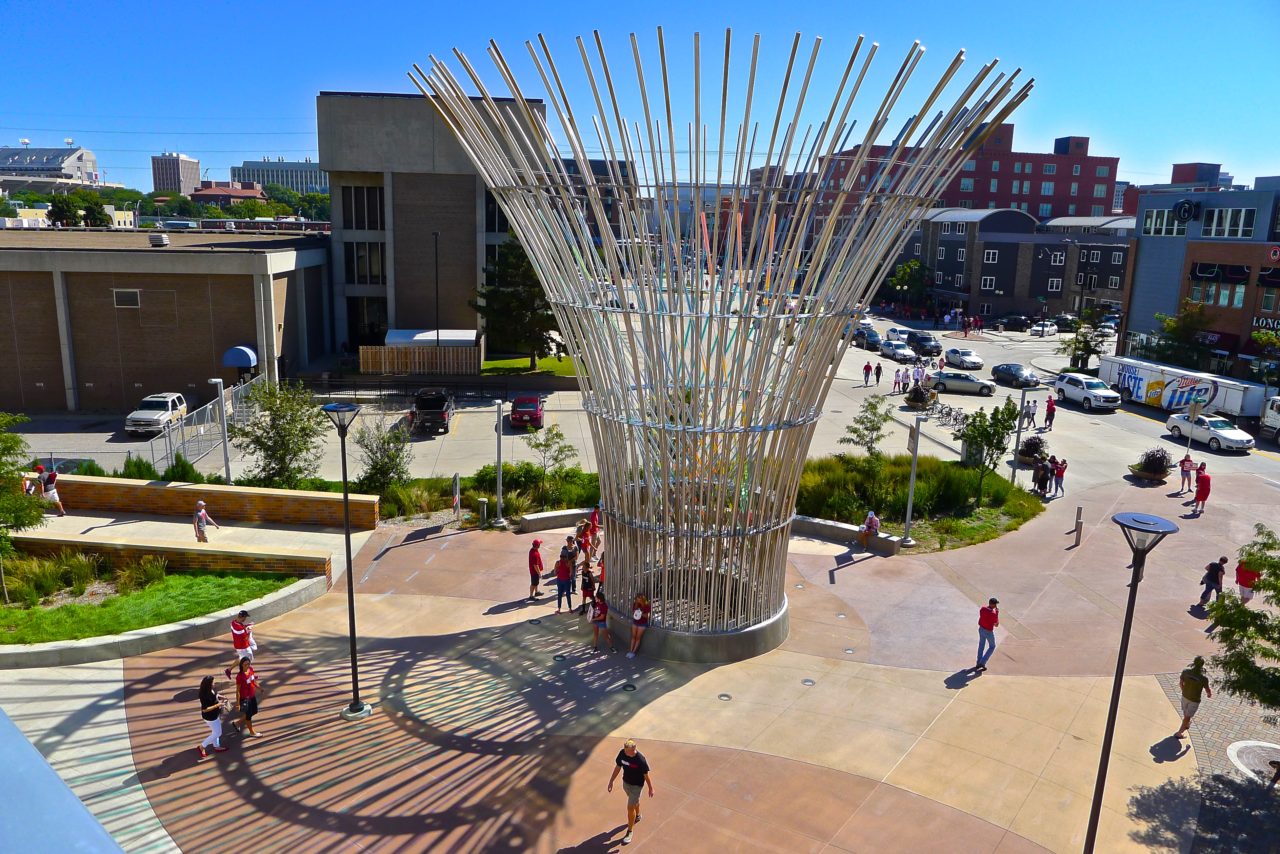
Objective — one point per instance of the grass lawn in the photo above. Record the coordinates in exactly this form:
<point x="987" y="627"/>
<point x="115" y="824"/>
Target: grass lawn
<point x="559" y="367"/>
<point x="177" y="597"/>
<point x="954" y="532"/>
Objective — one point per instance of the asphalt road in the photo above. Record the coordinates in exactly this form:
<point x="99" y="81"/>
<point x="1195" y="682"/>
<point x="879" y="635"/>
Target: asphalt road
<point x="1098" y="445"/>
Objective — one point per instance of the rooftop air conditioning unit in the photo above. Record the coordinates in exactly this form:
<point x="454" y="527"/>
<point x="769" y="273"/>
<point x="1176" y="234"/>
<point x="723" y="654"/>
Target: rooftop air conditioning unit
<point x="159" y="239"/>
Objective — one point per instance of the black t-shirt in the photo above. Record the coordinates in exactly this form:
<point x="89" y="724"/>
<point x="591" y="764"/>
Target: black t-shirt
<point x="633" y="767"/>
<point x="208" y="700"/>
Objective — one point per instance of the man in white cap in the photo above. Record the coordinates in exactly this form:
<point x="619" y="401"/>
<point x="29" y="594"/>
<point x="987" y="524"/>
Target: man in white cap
<point x="202" y="520"/>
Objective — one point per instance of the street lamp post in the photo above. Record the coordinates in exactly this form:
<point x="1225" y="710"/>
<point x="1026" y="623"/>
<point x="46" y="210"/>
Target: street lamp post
<point x="226" y="438"/>
<point x="1017" y="441"/>
<point x="342" y="414"/>
<point x="1144" y="533"/>
<point x="497" y="507"/>
<point x="436" y="257"/>
<point x="911" y="489"/>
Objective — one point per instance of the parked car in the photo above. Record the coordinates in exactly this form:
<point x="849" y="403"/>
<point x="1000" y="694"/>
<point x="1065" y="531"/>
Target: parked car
<point x="923" y="343"/>
<point x="894" y="333"/>
<point x="962" y="357"/>
<point x="944" y="381"/>
<point x="1089" y="392"/>
<point x="1018" y="376"/>
<point x="1014" y="322"/>
<point x="526" y="411"/>
<point x="1107" y="329"/>
<point x="1066" y="322"/>
<point x="1213" y="430"/>
<point x="1044" y="329"/>
<point x="433" y="410"/>
<point x="897" y="351"/>
<point x="156" y="413"/>
<point x="868" y="339"/>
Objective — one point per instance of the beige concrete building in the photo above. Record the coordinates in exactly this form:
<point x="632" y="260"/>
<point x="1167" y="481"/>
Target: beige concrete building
<point x="402" y="188"/>
<point x="95" y="320"/>
<point x="174" y="173"/>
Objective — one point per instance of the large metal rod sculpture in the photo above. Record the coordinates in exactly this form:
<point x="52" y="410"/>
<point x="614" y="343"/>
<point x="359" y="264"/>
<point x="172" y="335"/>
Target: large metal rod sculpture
<point x="703" y="278"/>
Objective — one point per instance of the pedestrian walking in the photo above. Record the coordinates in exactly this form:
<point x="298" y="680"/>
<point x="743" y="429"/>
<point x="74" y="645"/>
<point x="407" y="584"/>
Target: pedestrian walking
<point x="46" y="484"/>
<point x="870" y="528"/>
<point x="588" y="590"/>
<point x="942" y="363"/>
<point x="1025" y="415"/>
<point x="1059" y="472"/>
<point x="600" y="622"/>
<point x="988" y="621"/>
<point x="917" y="374"/>
<point x="535" y="568"/>
<point x="897" y="380"/>
<point x="1245" y="579"/>
<point x="564" y="572"/>
<point x="640" y="609"/>
<point x="1193" y="683"/>
<point x="1214" y="574"/>
<point x="1044" y="475"/>
<point x="635" y="776"/>
<point x="247" y="695"/>
<point x="866" y="374"/>
<point x="242" y="641"/>
<point x="201" y="521"/>
<point x="879" y="371"/>
<point x="1188" y="468"/>
<point x="1050" y="410"/>
<point x="1031" y="420"/>
<point x="1202" y="489"/>
<point x="211" y="713"/>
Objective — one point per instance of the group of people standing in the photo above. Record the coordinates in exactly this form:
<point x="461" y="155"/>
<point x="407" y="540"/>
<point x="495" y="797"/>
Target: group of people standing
<point x="1047" y="477"/>
<point x="1196" y="480"/>
<point x="213" y="705"/>
<point x="905" y="378"/>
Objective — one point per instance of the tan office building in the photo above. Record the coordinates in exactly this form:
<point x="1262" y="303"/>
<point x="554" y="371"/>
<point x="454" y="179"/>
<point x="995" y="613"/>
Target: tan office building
<point x="96" y="320"/>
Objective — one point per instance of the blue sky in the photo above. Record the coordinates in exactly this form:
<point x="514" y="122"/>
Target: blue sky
<point x="1151" y="83"/>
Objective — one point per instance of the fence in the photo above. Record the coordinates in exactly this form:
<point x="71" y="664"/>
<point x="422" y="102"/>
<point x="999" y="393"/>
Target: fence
<point x="393" y="395"/>
<point x="421" y="360"/>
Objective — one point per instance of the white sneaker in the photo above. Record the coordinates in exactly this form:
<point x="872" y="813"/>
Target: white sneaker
<point x="626" y="840"/>
<point x="631" y="655"/>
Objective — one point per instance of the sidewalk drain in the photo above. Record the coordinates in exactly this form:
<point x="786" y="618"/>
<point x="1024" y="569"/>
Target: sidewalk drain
<point x="535" y="622"/>
<point x="726" y="697"/>
<point x="808" y="682"/>
<point x="558" y="657"/>
<point x="839" y="616"/>
<point x="628" y="687"/>
<point x="799" y="586"/>
<point x="848" y="650"/>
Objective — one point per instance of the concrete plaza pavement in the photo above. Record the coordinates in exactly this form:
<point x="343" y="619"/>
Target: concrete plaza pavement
<point x="495" y="726"/>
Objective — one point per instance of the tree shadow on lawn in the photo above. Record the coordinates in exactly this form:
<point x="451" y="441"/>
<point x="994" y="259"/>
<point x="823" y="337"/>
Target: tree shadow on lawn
<point x="1235" y="815"/>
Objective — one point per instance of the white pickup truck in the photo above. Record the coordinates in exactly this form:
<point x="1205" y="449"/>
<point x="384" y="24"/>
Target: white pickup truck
<point x="156" y="413"/>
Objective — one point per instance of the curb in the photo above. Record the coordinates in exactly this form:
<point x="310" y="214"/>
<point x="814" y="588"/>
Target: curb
<point x="152" y="638"/>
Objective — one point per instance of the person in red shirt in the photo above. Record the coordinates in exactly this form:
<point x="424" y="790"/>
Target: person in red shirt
<point x="535" y="568"/>
<point x="1050" y="410"/>
<point x="241" y="640"/>
<point x="1188" y="467"/>
<point x="988" y="620"/>
<point x="640" y="609"/>
<point x="564" y="576"/>
<point x="600" y="622"/>
<point x="1202" y="489"/>
<point x="1246" y="578"/>
<point x="247" y="695"/>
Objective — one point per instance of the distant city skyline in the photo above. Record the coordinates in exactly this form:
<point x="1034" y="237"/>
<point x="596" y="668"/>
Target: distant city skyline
<point x="1140" y="79"/>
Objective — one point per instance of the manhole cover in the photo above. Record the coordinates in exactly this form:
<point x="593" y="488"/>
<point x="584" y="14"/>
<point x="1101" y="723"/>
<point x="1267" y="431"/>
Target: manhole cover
<point x="557" y="658"/>
<point x="849" y="650"/>
<point x="535" y="622"/>
<point x="628" y="687"/>
<point x="726" y="697"/>
<point x="799" y="586"/>
<point x="840" y="616"/>
<point x="1254" y="758"/>
<point x="808" y="682"/>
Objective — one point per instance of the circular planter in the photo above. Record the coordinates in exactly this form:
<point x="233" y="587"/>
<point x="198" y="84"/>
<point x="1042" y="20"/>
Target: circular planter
<point x="1146" y="475"/>
<point x="1027" y="461"/>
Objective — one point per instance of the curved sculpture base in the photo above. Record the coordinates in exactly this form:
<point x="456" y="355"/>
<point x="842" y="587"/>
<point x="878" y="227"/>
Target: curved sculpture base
<point x="708" y="647"/>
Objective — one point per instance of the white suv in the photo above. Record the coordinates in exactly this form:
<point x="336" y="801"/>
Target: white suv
<point x="1089" y="392"/>
<point x="156" y="413"/>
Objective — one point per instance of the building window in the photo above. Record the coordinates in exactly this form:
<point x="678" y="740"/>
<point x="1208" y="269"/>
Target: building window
<point x="1117" y="258"/>
<point x="1075" y="170"/>
<point x="1269" y="299"/>
<point x="1046" y="209"/>
<point x="969" y="166"/>
<point x="127" y="298"/>
<point x="365" y="263"/>
<point x="1084" y="256"/>
<point x="946" y="228"/>
<point x="966" y="203"/>
<point x="937" y="278"/>
<point x="1099" y="191"/>
<point x="1096" y="210"/>
<point x="1050" y="168"/>
<point x="1028" y="168"/>
<point x="959" y="280"/>
<point x="1046" y="188"/>
<point x="1224" y="295"/>
<point x="966" y="185"/>
<point x="1075" y="188"/>
<point x="991" y="206"/>
<point x="917" y="249"/>
<point x="1162" y="223"/>
<point x="962" y="227"/>
<point x="1113" y="282"/>
<point x="960" y="254"/>
<point x="990" y="256"/>
<point x="995" y="183"/>
<point x="1055" y="284"/>
<point x="942" y="253"/>
<point x="1228" y="222"/>
<point x="1091" y="281"/>
<point x="1071" y="210"/>
<point x="995" y="165"/>
<point x="1057" y="259"/>
<point x="362" y="208"/>
<point x="1194" y="295"/>
<point x="1079" y="278"/>
<point x="1017" y="185"/>
<point x="1017" y="168"/>
<point x="988" y="283"/>
<point x="1103" y="171"/>
<point x="1095" y="256"/>
<point x="984" y="309"/>
<point x="1237" y="298"/>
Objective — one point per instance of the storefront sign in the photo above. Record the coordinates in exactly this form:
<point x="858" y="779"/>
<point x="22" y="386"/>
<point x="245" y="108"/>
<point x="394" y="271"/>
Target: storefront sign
<point x="1272" y="323"/>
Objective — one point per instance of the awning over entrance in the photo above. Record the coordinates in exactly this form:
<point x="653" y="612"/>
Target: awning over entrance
<point x="240" y="357"/>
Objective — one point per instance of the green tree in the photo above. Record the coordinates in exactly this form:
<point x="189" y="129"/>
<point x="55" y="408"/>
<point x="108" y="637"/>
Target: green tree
<point x="867" y="430"/>
<point x="1267" y="368"/>
<point x="94" y="213"/>
<point x="64" y="211"/>
<point x="282" y="435"/>
<point x="178" y="205"/>
<point x="1181" y="340"/>
<point x="552" y="452"/>
<point x="986" y="437"/>
<point x="315" y="206"/>
<point x="1249" y="636"/>
<point x="385" y="453"/>
<point x="212" y="212"/>
<point x="908" y="283"/>
<point x="18" y="511"/>
<point x="6" y="209"/>
<point x="249" y="209"/>
<point x="515" y="308"/>
<point x="285" y="196"/>
<point x="1087" y="343"/>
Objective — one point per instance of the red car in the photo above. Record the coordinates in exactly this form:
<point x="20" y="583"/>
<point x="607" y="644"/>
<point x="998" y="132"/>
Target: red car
<point x="526" y="411"/>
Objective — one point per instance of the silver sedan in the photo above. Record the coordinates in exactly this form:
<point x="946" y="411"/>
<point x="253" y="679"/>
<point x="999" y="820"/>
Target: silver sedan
<point x="944" y="381"/>
<point x="961" y="357"/>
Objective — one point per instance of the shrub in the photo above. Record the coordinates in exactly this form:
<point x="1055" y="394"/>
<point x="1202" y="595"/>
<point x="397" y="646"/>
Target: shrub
<point x="1155" y="461"/>
<point x="1033" y="446"/>
<point x="89" y="468"/>
<point x="181" y="470"/>
<point x="137" y="575"/>
<point x="138" y="469"/>
<point x="407" y="499"/>
<point x="515" y="503"/>
<point x="918" y="395"/>
<point x="385" y="452"/>
<point x="78" y="570"/>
